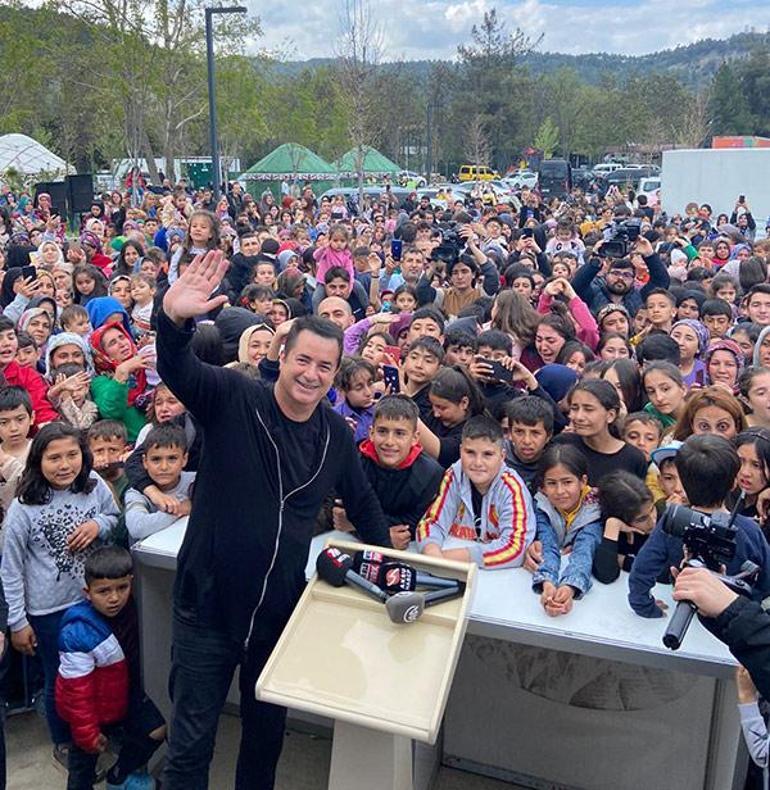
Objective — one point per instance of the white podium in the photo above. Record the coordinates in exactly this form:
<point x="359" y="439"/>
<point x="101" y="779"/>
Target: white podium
<point x="383" y="683"/>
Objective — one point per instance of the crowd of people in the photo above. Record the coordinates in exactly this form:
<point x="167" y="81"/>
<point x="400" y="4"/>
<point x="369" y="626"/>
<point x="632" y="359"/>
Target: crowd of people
<point x="528" y="384"/>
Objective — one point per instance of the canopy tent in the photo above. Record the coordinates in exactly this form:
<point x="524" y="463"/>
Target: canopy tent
<point x="29" y="157"/>
<point x="375" y="163"/>
<point x="290" y="160"/>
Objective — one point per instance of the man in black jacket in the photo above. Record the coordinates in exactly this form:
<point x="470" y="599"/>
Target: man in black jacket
<point x="737" y="621"/>
<point x="271" y="454"/>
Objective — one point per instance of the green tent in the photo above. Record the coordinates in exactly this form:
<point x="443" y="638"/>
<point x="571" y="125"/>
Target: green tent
<point x="290" y="161"/>
<point x="375" y="164"/>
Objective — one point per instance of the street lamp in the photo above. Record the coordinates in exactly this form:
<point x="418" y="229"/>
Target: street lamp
<point x="236" y="9"/>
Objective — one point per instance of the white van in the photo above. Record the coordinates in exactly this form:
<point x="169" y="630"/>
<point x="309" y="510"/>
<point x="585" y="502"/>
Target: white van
<point x="607" y="167"/>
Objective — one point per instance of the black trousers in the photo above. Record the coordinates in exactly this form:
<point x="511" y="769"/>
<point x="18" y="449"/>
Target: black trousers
<point x="143" y="718"/>
<point x="202" y="665"/>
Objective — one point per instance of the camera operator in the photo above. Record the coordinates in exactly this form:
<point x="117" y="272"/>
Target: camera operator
<point x="737" y="621"/>
<point x="617" y="284"/>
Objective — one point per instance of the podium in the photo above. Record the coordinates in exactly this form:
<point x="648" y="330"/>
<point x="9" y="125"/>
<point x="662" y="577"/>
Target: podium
<point x="384" y="684"/>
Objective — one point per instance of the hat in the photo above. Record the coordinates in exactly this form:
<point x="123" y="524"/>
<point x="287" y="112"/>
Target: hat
<point x="556" y="380"/>
<point x="270" y="247"/>
<point x="661" y="454"/>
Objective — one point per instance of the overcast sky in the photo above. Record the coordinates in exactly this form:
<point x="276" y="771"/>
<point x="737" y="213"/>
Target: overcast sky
<point x="428" y="29"/>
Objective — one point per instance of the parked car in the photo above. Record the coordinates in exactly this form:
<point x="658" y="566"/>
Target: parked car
<point x="474" y="173"/>
<point x="521" y="179"/>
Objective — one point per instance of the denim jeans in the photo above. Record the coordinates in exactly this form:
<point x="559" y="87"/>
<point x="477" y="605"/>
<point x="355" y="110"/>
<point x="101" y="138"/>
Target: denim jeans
<point x="202" y="666"/>
<point x="46" y="628"/>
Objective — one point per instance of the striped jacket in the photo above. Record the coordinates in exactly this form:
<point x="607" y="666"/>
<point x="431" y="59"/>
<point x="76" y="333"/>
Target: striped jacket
<point x="92" y="687"/>
<point x="507" y="525"/>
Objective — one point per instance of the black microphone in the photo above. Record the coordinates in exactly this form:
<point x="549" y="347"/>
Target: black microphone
<point x="406" y="607"/>
<point x="394" y="577"/>
<point x="336" y="568"/>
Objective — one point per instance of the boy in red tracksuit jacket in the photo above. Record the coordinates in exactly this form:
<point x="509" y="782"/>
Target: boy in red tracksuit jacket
<point x="98" y="689"/>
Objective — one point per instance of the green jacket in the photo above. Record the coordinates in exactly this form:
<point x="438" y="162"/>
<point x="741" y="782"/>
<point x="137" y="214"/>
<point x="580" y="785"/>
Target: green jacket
<point x="112" y="399"/>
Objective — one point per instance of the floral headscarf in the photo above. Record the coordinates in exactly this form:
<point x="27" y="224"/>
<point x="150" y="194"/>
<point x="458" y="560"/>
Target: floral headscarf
<point x="137" y="382"/>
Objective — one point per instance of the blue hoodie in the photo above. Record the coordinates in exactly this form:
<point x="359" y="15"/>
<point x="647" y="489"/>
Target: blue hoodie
<point x="102" y="307"/>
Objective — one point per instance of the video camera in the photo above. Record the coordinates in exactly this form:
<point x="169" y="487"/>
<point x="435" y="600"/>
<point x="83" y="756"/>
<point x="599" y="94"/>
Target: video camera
<point x="451" y="244"/>
<point x="619" y="238"/>
<point x="711" y="541"/>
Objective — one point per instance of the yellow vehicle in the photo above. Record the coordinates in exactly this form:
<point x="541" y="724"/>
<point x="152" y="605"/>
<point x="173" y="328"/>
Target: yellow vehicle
<point x="480" y="173"/>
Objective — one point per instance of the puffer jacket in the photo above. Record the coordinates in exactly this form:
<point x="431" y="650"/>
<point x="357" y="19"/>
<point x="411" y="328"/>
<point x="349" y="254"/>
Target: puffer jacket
<point x="507" y="518"/>
<point x="582" y="535"/>
<point x="92" y="687"/>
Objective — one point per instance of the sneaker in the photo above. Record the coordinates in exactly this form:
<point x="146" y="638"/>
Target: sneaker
<point x="61" y="754"/>
<point x="136" y="781"/>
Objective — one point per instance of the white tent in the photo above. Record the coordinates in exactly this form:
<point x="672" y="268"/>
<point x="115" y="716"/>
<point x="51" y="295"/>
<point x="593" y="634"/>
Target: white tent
<point x="29" y="157"/>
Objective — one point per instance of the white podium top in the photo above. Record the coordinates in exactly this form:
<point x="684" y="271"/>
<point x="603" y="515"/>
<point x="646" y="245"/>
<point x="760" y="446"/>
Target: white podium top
<point x="504" y="607"/>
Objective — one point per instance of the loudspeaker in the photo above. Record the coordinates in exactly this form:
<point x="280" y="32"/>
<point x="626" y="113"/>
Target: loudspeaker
<point x="80" y="193"/>
<point x="58" y="192"/>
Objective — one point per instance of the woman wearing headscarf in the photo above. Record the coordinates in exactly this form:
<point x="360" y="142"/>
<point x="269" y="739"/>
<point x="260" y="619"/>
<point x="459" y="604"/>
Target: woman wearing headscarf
<point x="724" y="363"/>
<point x="692" y="337"/>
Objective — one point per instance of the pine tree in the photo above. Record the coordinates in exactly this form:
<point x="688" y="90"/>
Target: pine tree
<point x="728" y="108"/>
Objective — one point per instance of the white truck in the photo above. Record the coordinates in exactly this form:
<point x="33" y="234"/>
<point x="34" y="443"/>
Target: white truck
<point x="717" y="176"/>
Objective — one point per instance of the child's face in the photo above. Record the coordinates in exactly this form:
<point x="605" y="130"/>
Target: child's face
<point x="14" y="426"/>
<point x="63" y="298"/>
<point x="80" y="325"/>
<point x="459" y="355"/>
<point x="665" y="394"/>
<point x="141" y="292"/>
<point x="148" y="266"/>
<point x="164" y="465"/>
<point x="421" y="366"/>
<point x="200" y="231"/>
<point x="264" y="274"/>
<point x="744" y="342"/>
<point x="727" y="292"/>
<point x="670" y="483"/>
<point x="27" y="357"/>
<point x="107" y="452"/>
<point x="278" y="314"/>
<point x="374" y="350"/>
<point x="109" y="596"/>
<point x="528" y="441"/>
<point x="660" y="311"/>
<point x="85" y="284"/>
<point x="262" y="306"/>
<point x="360" y="395"/>
<point x="405" y="302"/>
<point x="642" y="435"/>
<point x="121" y="290"/>
<point x="392" y="439"/>
<point x="61" y="462"/>
<point x="495" y="354"/>
<point x="563" y="487"/>
<point x="717" y="325"/>
<point x="337" y="242"/>
<point x="481" y="461"/>
<point x="751" y="477"/>
<point x="688" y="308"/>
<point x="687" y="341"/>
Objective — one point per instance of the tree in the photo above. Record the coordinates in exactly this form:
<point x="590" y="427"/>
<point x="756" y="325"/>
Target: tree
<point x="547" y="138"/>
<point x="477" y="143"/>
<point x="494" y="85"/>
<point x="729" y="111"/>
<point x="359" y="48"/>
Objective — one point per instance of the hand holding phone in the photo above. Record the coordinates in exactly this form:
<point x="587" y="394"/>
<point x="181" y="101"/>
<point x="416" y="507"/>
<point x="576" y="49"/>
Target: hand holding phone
<point x="396" y="246"/>
<point x="391" y="378"/>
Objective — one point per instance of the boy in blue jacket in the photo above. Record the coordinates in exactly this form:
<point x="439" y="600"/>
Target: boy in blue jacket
<point x="707" y="467"/>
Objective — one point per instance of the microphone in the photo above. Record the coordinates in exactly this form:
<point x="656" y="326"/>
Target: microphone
<point x="406" y="607"/>
<point x="336" y="568"/>
<point x="394" y="577"/>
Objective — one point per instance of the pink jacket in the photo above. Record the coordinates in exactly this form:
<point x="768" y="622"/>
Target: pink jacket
<point x="326" y="258"/>
<point x="587" y="328"/>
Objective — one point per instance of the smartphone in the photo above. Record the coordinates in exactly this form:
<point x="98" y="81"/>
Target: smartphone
<point x="498" y="372"/>
<point x="527" y="233"/>
<point x="390" y="376"/>
<point x="396" y="245"/>
<point x="393" y="351"/>
<point x="28" y="272"/>
<point x="741" y="198"/>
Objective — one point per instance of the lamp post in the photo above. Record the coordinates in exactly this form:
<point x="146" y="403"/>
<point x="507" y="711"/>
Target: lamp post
<point x="237" y="9"/>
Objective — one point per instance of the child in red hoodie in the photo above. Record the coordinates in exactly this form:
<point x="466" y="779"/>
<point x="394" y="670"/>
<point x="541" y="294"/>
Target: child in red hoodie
<point x="98" y="690"/>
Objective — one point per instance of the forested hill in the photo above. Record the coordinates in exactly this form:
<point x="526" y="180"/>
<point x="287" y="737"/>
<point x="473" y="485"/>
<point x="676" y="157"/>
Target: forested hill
<point x="694" y="65"/>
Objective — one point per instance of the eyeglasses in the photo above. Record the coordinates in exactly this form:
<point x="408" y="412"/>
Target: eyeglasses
<point x="623" y="274"/>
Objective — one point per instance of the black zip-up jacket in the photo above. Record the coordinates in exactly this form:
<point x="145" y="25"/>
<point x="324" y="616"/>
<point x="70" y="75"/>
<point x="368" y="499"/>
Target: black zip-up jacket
<point x="241" y="568"/>
<point x="745" y="628"/>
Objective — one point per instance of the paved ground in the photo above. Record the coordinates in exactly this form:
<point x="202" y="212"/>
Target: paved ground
<point x="304" y="763"/>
